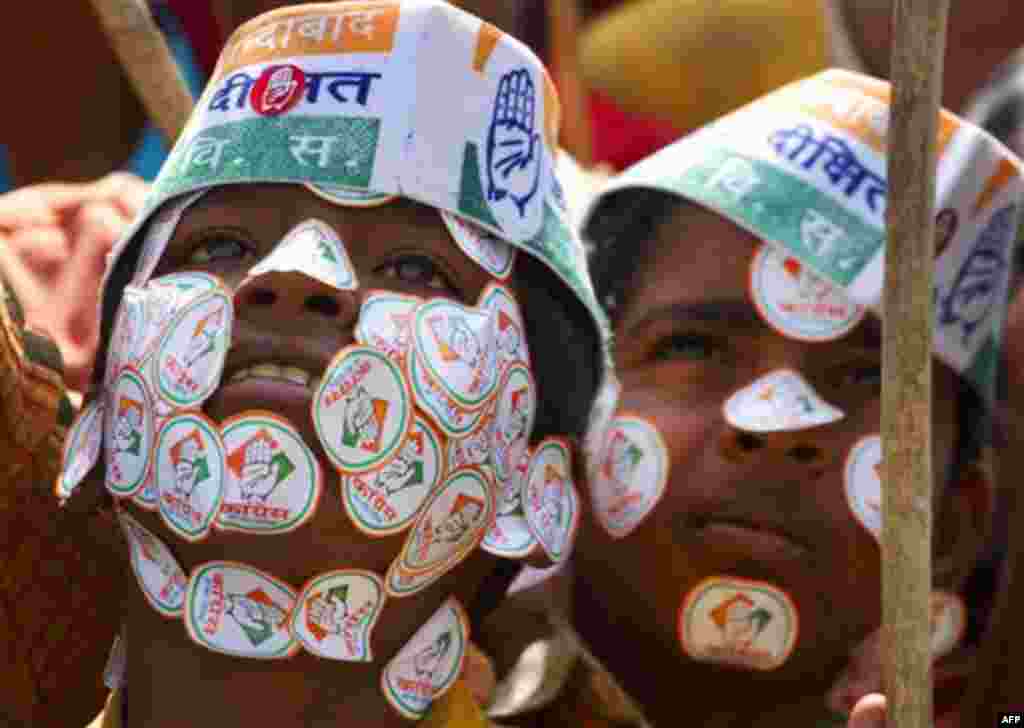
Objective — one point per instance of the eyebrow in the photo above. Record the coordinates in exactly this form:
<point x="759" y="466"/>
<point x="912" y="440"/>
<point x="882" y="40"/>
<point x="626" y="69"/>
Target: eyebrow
<point x="735" y="312"/>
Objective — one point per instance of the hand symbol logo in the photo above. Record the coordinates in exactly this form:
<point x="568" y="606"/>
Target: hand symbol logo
<point x="513" y="147"/>
<point x="260" y="474"/>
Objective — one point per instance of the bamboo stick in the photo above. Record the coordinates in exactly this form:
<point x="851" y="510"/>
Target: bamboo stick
<point x="148" y="62"/>
<point x="919" y="33"/>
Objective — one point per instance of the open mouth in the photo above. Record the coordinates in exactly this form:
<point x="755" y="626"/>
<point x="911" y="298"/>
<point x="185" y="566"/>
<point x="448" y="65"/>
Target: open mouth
<point x="277" y="372"/>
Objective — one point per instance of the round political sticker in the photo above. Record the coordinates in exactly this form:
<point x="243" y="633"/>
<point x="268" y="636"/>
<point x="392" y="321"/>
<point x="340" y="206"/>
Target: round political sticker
<point x="510" y="331"/>
<point x="737" y="622"/>
<point x="335" y="614"/>
<point x="510" y="489"/>
<point x="862" y="481"/>
<point x="313" y="249"/>
<point x="450" y="418"/>
<point x="161" y="578"/>
<point x="457" y="347"/>
<point x="128" y="433"/>
<point x="400" y="583"/>
<point x="474" y="449"/>
<point x="237" y="610"/>
<point x="189" y="474"/>
<point x="599" y="420"/>
<point x="509" y="537"/>
<point x="385" y="501"/>
<point x="549" y="499"/>
<point x="349" y="196"/>
<point x="427" y="666"/>
<point x="797" y="302"/>
<point x="277" y="89"/>
<point x="128" y="337"/>
<point x="190" y="356"/>
<point x="272" y="482"/>
<point x="362" y="410"/>
<point x="385" y="323"/>
<point x="484" y="248"/>
<point x="451" y="522"/>
<point x="514" y="416"/>
<point x="780" y="401"/>
<point x="948" y="622"/>
<point x="148" y="497"/>
<point x="631" y="474"/>
<point x="81" y="448"/>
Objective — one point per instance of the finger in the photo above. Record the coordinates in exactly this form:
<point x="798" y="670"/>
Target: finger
<point x="869" y="712"/>
<point x="529" y="105"/>
<point x="43" y="204"/>
<point x="126" y="191"/>
<point x="41" y="251"/>
<point x="501" y="103"/>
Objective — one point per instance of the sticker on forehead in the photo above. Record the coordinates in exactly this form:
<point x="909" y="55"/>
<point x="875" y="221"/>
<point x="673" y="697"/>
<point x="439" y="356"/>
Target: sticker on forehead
<point x="161" y="578"/>
<point x="237" y="610"/>
<point x="349" y="196"/>
<point x="453" y="421"/>
<point x="948" y="622"/>
<point x="335" y="614"/>
<point x="631" y="474"/>
<point x="161" y="228"/>
<point x="509" y="537"/>
<point x="81" y="448"/>
<point x="457" y="347"/>
<point x="127" y="341"/>
<point x="189" y="474"/>
<point x="737" y="622"/>
<point x="550" y="502"/>
<point x="128" y="433"/>
<point x="485" y="249"/>
<point x="429" y="663"/>
<point x="780" y="401"/>
<point x="862" y="481"/>
<point x="386" y="500"/>
<point x="385" y="323"/>
<point x="513" y="420"/>
<point x="272" y="482"/>
<point x="797" y="302"/>
<point x="362" y="410"/>
<point x="451" y="523"/>
<point x="190" y="356"/>
<point x="313" y="249"/>
<point x="509" y="329"/>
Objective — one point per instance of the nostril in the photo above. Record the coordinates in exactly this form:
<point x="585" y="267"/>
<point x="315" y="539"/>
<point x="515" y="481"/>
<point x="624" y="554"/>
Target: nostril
<point x="804" y="453"/>
<point x="749" y="442"/>
<point x="323" y="305"/>
<point x="261" y="297"/>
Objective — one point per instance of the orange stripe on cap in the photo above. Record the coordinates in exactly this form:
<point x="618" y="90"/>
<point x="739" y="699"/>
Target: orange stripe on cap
<point x="486" y="41"/>
<point x="1006" y="171"/>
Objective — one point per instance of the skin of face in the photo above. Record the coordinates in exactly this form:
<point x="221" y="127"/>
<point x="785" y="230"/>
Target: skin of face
<point x="686" y="339"/>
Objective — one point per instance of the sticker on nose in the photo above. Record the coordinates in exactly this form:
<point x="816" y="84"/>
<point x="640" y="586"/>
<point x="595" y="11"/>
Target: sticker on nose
<point x="237" y="610"/>
<point x="631" y="474"/>
<point x="429" y="663"/>
<point x="190" y="356"/>
<point x="797" y="302"/>
<point x="313" y="249"/>
<point x="451" y="523"/>
<point x="457" y="347"/>
<point x="862" y="479"/>
<point x="362" y="410"/>
<point x="781" y="401"/>
<point x="189" y="474"/>
<point x="948" y="622"/>
<point x="386" y="500"/>
<point x="510" y="537"/>
<point x="349" y="196"/>
<point x="385" y="323"/>
<point x="451" y="419"/>
<point x="161" y="578"/>
<point x="737" y="622"/>
<point x="335" y="614"/>
<point x="128" y="433"/>
<point x="509" y="329"/>
<point x="81" y="448"/>
<point x="550" y="502"/>
<point x="485" y="249"/>
<point x="513" y="421"/>
<point x="272" y="482"/>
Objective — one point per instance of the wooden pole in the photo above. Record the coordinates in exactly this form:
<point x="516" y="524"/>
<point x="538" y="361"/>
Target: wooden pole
<point x="919" y="36"/>
<point x="148" y="62"/>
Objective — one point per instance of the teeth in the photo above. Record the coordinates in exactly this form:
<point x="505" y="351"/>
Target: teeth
<point x="267" y="370"/>
<point x="270" y="371"/>
<point x="296" y="375"/>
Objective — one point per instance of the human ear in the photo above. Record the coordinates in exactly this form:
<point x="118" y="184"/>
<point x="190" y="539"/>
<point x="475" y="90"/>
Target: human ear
<point x="962" y="522"/>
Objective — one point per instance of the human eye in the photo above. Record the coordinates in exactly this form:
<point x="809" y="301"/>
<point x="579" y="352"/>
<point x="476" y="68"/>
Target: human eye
<point x="218" y="248"/>
<point x="418" y="271"/>
<point x="686" y="346"/>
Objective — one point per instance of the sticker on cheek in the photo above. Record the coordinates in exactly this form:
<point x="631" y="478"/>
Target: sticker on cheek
<point x="510" y="331"/>
<point x="456" y="346"/>
<point x="474" y="449"/>
<point x="797" y="302"/>
<point x="510" y="537"/>
<point x="128" y="339"/>
<point x="362" y="410"/>
<point x="550" y="502"/>
<point x="510" y="489"/>
<point x="335" y="614"/>
<point x="237" y="610"/>
<point x="161" y="578"/>
<point x="313" y="249"/>
<point x="385" y="323"/>
<point x="631" y="474"/>
<point x="129" y="433"/>
<point x="272" y="482"/>
<point x="429" y="663"/>
<point x="386" y="500"/>
<point x="349" y="196"/>
<point x="190" y="357"/>
<point x="780" y="401"/>
<point x="485" y="249"/>
<point x="737" y="622"/>
<point x="400" y="583"/>
<point x="81" y="448"/>
<point x="451" y="419"/>
<point x="148" y="497"/>
<point x="948" y="622"/>
<point x="161" y="228"/>
<point x="862" y="480"/>
<point x="514" y="416"/>
<point x="189" y="474"/>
